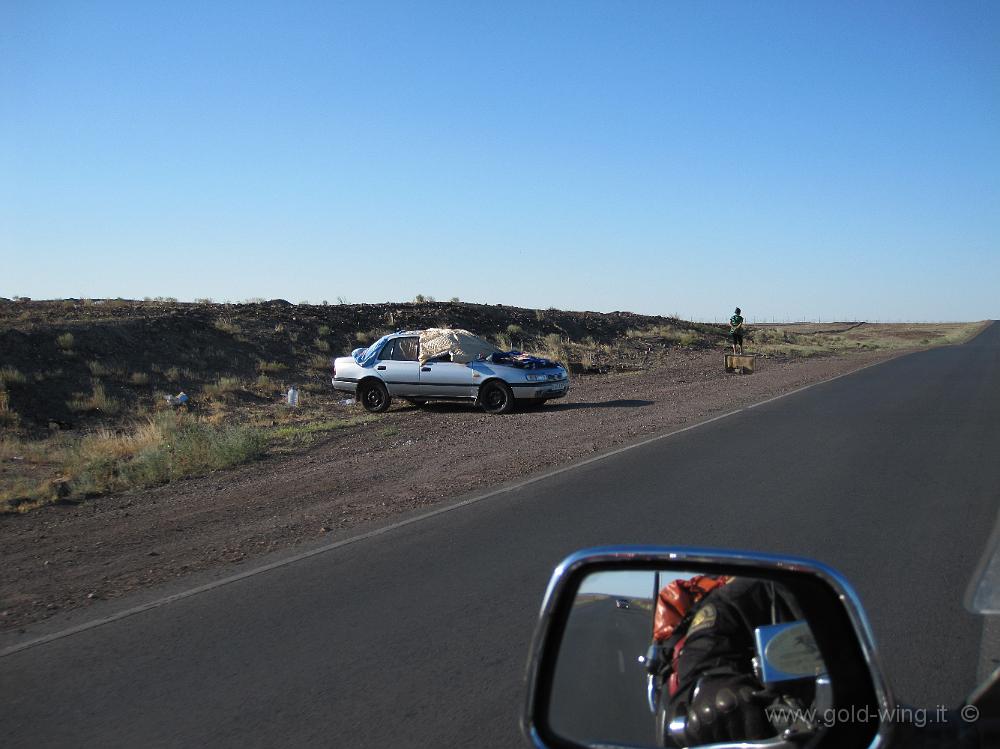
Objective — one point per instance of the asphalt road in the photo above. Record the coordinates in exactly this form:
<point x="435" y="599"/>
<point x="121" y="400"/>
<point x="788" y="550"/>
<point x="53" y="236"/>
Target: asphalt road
<point x="599" y="689"/>
<point x="418" y="636"/>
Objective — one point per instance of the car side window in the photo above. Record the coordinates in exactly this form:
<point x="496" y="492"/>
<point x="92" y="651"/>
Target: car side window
<point x="407" y="349"/>
<point x="387" y="351"/>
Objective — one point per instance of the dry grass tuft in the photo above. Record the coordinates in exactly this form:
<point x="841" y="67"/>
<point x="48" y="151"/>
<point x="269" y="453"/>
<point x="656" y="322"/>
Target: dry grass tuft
<point x="555" y="347"/>
<point x="227" y="326"/>
<point x="164" y="448"/>
<point x="100" y="369"/>
<point x="318" y="361"/>
<point x="10" y="376"/>
<point x="271" y="367"/>
<point x="223" y="385"/>
<point x="299" y="433"/>
<point x="98" y="400"/>
<point x="8" y="417"/>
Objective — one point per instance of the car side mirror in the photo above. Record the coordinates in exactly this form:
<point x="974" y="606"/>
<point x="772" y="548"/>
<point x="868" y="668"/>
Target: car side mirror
<point x="641" y="646"/>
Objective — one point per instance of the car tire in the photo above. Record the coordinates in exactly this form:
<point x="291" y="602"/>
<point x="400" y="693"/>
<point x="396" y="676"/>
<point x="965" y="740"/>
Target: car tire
<point x="496" y="397"/>
<point x="373" y="396"/>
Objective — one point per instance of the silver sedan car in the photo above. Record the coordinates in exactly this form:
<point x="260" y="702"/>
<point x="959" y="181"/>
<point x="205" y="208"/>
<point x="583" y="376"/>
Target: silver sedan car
<point x="496" y="381"/>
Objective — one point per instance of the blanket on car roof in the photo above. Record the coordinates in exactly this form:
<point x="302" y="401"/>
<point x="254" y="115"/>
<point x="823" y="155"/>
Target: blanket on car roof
<point x="461" y="345"/>
<point x="366" y="357"/>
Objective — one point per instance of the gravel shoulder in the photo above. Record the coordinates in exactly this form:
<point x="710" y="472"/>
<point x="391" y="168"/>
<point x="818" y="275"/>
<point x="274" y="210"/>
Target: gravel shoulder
<point x="64" y="557"/>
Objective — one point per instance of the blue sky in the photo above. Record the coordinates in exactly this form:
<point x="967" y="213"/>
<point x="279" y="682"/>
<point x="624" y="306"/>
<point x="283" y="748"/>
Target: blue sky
<point x="801" y="160"/>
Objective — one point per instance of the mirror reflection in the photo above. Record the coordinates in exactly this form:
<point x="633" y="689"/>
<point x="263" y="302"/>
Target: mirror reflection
<point x="680" y="659"/>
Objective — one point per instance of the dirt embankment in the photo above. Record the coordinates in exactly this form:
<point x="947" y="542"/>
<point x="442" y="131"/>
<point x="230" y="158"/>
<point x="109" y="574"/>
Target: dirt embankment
<point x="140" y="351"/>
<point x="61" y="557"/>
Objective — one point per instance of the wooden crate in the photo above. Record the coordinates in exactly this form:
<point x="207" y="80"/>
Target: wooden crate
<point x="741" y="363"/>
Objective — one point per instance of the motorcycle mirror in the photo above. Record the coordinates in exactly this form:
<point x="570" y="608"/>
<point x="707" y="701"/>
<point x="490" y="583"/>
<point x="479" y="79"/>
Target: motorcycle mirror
<point x="655" y="647"/>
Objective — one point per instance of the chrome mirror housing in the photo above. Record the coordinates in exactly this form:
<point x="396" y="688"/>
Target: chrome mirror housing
<point x="675" y="647"/>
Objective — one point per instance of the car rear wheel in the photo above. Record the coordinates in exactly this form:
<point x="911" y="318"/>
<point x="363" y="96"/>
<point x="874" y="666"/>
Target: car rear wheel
<point x="496" y="397"/>
<point x="373" y="396"/>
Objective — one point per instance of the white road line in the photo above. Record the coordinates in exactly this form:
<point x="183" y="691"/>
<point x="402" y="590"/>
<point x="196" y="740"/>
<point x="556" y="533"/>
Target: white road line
<point x="402" y="523"/>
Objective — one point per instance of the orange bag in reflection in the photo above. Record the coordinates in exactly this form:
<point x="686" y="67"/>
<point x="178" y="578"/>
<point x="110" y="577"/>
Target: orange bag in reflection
<point x="676" y="599"/>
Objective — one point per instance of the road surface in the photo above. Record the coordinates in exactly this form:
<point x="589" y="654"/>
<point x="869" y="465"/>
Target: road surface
<point x="599" y="689"/>
<point x="418" y="636"/>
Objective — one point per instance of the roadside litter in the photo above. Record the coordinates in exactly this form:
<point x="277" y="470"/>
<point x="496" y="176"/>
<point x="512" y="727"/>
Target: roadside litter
<point x="293" y="396"/>
<point x="741" y="363"/>
<point x="178" y="400"/>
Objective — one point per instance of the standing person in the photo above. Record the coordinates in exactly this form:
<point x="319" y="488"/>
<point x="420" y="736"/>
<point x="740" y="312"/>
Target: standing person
<point x="736" y="331"/>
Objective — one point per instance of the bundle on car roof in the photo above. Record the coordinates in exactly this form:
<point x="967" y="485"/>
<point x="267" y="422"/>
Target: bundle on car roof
<point x="462" y="345"/>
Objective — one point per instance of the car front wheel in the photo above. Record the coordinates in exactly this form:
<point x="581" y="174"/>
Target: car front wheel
<point x="496" y="398"/>
<point x="374" y="397"/>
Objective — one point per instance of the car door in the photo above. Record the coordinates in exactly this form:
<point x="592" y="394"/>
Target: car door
<point x="447" y="379"/>
<point x="399" y="372"/>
